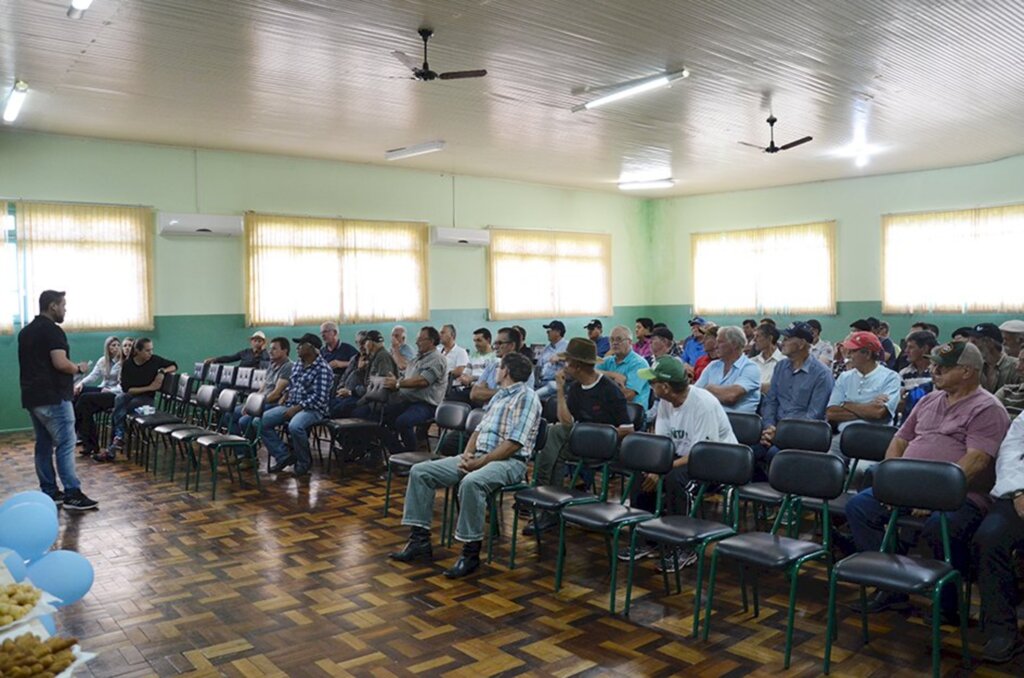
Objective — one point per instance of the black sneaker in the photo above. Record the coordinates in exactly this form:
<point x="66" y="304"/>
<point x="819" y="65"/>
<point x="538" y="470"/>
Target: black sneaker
<point x="77" y="501"/>
<point x="57" y="497"/>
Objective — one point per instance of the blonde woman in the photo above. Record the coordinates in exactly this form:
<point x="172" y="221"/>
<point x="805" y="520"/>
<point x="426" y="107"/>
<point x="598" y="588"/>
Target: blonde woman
<point x="96" y="392"/>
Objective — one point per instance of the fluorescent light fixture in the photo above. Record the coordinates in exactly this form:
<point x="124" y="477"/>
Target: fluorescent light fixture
<point x="633" y="88"/>
<point x="645" y="185"/>
<point x="414" y="150"/>
<point x="15" y="100"/>
<point x="77" y="8"/>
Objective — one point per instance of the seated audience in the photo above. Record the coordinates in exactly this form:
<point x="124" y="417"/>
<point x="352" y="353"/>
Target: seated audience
<point x="457" y="357"/>
<point x="839" y="364"/>
<point x="800" y="387"/>
<point x="732" y="378"/>
<point x="489" y="383"/>
<point x="255" y="356"/>
<point x="400" y="350"/>
<point x="643" y="327"/>
<point x="1001" y="534"/>
<point x="304" y="406"/>
<point x="693" y="347"/>
<point x="549" y="361"/>
<point x="335" y="352"/>
<point x="374" y="363"/>
<point x="279" y="371"/>
<point x="594" y="332"/>
<point x="493" y="457"/>
<point x="525" y="348"/>
<point x="142" y="375"/>
<point x="916" y="377"/>
<point x="96" y="393"/>
<point x="481" y="356"/>
<point x="875" y="326"/>
<point x="820" y="349"/>
<point x="1000" y="369"/>
<point x="1013" y="335"/>
<point x="344" y="400"/>
<point x="709" y="337"/>
<point x="1012" y="395"/>
<point x="749" y="325"/>
<point x="962" y="334"/>
<point x="590" y="398"/>
<point x="767" y="321"/>
<point x="766" y="341"/>
<point x="663" y="342"/>
<point x="868" y="391"/>
<point x="959" y="422"/>
<point x="622" y="365"/>
<point x="417" y="394"/>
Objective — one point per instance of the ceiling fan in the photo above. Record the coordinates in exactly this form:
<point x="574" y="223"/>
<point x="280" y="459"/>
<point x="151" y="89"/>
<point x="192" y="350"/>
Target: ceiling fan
<point x="772" y="148"/>
<point x="422" y="71"/>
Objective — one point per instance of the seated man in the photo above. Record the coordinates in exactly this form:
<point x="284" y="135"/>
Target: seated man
<point x="373" y="361"/>
<point x="663" y="342"/>
<point x="481" y="356"/>
<point x="309" y="391"/>
<point x="766" y="341"/>
<point x="594" y="329"/>
<point x="255" y="356"/>
<point x="590" y="398"/>
<point x="1012" y="395"/>
<point x="820" y="349"/>
<point x="867" y="391"/>
<point x="402" y="352"/>
<point x="1000" y="369"/>
<point x="342" y="401"/>
<point x="693" y="347"/>
<point x="916" y="377"/>
<point x="733" y="378"/>
<point x="622" y="365"/>
<point x="337" y="353"/>
<point x="274" y="384"/>
<point x="960" y="423"/>
<point x="548" y="360"/>
<point x="643" y="327"/>
<point x="457" y="357"/>
<point x="1013" y="337"/>
<point x="494" y="457"/>
<point x="800" y="388"/>
<point x="418" y="394"/>
<point x="142" y="375"/>
<point x="489" y="383"/>
<point x="1001" y="533"/>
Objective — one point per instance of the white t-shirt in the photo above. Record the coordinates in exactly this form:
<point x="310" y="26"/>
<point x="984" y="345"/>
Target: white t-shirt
<point x="457" y="357"/>
<point x="699" y="418"/>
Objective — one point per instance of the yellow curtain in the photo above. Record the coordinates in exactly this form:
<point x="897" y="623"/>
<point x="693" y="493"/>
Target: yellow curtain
<point x="101" y="255"/>
<point x="306" y="270"/>
<point x="9" y="296"/>
<point x="987" y="241"/>
<point x="545" y="274"/>
<point x="782" y="269"/>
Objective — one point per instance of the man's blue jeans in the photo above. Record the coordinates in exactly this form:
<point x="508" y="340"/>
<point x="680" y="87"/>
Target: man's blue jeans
<point x="55" y="436"/>
<point x="123" y="404"/>
<point x="403" y="418"/>
<point x="298" y="433"/>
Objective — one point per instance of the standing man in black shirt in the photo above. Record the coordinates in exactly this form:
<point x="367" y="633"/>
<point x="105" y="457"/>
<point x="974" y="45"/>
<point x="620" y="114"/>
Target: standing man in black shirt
<point x="142" y="375"/>
<point x="590" y="398"/>
<point x="47" y="382"/>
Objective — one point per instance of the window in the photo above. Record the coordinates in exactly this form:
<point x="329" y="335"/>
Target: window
<point x="982" y="247"/>
<point x="548" y="274"/>
<point x="99" y="254"/>
<point x="9" y="296"/>
<point x="305" y="270"/>
<point x="784" y="269"/>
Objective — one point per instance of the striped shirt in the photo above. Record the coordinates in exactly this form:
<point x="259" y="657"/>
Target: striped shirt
<point x="512" y="414"/>
<point x="310" y="385"/>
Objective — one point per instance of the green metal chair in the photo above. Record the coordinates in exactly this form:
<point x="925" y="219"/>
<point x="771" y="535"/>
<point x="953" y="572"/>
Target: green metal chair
<point x="496" y="498"/>
<point x="248" y="443"/>
<point x="907" y="484"/>
<point x="793" y="473"/>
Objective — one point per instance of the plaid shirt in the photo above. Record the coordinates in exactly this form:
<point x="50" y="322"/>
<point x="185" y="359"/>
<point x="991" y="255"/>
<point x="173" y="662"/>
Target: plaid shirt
<point x="310" y="385"/>
<point x="512" y="414"/>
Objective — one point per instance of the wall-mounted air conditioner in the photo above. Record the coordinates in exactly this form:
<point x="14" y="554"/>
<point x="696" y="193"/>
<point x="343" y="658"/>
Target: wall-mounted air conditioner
<point x="207" y="225"/>
<point x="462" y="237"/>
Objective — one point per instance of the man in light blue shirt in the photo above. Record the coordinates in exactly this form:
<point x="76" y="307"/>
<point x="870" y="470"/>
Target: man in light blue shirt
<point x="734" y="379"/>
<point x="622" y="367"/>
<point x="548" y="360"/>
<point x="869" y="392"/>
<point x="693" y="347"/>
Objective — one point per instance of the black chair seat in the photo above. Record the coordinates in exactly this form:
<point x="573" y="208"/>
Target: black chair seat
<point x="350" y="424"/>
<point x="174" y="426"/>
<point x="550" y="497"/>
<point x="603" y="515"/>
<point x="836" y="506"/>
<point x="759" y="492"/>
<point x="156" y="419"/>
<point x="767" y="550"/>
<point x="218" y="438"/>
<point x="681" y="529"/>
<point x="189" y="432"/>
<point x="406" y="460"/>
<point x="891" y="571"/>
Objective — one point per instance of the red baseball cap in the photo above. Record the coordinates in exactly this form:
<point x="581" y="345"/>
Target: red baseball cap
<point x="859" y="340"/>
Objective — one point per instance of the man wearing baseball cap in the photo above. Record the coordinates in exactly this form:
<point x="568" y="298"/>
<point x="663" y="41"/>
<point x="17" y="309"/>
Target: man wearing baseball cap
<point x="1000" y="369"/>
<point x="1013" y="336"/>
<point x="959" y="423"/>
<point x="548" y="359"/>
<point x="255" y="356"/>
<point x="693" y="347"/>
<point x="869" y="391"/>
<point x="594" y="329"/>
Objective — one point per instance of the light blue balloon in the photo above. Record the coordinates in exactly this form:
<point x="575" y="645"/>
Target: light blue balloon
<point x="49" y="624"/>
<point x="15" y="565"/>
<point x="30" y="529"/>
<point x="63" y="574"/>
<point x="29" y="497"/>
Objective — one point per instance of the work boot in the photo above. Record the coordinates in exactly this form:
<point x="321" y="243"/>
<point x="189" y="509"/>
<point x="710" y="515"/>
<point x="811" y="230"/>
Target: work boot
<point x="467" y="563"/>
<point x="416" y="548"/>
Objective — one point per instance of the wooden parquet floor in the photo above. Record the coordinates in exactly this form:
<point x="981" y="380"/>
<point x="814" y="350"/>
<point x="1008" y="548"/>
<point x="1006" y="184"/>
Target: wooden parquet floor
<point x="294" y="581"/>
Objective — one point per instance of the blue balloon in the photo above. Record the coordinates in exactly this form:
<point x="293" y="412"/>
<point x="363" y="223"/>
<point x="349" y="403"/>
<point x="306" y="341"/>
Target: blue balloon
<point x="49" y="624"/>
<point x="30" y="529"/>
<point x="63" y="574"/>
<point x="15" y="565"/>
<point x="29" y="497"/>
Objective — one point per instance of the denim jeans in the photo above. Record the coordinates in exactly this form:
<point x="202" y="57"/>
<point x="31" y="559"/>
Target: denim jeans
<point x="55" y="436"/>
<point x="402" y="418"/>
<point x="298" y="433"/>
<point x="1000" y="534"/>
<point x="123" y="404"/>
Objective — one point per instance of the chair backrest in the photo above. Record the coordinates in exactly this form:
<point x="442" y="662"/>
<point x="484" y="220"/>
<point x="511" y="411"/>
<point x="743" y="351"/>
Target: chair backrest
<point x="473" y="420"/>
<point x="594" y="442"/>
<point x="861" y="440"/>
<point x="647" y="453"/>
<point x="254" y="405"/>
<point x="227" y="376"/>
<point x="205" y="396"/>
<point x="809" y="474"/>
<point x="258" y="378"/>
<point x="721" y="463"/>
<point x="803" y="434"/>
<point x="243" y="378"/>
<point x="213" y="371"/>
<point x="226" y="400"/>
<point x="542" y="436"/>
<point x="637" y="415"/>
<point x="169" y="386"/>
<point x="549" y="410"/>
<point x="185" y="385"/>
<point x="746" y="427"/>
<point x="919" y="483"/>
<point x="199" y="370"/>
<point x="452" y="414"/>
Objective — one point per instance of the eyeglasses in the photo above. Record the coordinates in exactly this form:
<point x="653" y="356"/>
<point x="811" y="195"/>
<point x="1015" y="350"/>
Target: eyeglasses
<point x="501" y="343"/>
<point x="619" y="340"/>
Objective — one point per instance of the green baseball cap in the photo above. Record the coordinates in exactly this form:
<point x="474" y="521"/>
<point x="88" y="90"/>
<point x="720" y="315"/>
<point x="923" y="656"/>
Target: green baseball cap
<point x="665" y="368"/>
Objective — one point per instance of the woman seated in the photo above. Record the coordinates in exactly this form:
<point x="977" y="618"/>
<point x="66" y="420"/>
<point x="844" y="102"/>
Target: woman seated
<point x="95" y="393"/>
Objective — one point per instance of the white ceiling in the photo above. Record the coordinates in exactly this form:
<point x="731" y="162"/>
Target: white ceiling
<point x="934" y="83"/>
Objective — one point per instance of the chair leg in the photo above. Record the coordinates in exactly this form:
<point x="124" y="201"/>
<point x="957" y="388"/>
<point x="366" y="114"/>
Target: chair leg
<point x="743" y="586"/>
<point x="965" y="607"/>
<point x="698" y="588"/>
<point x="662" y="554"/>
<point x="515" y="534"/>
<point x="387" y="490"/>
<point x="756" y="593"/>
<point x="711" y="594"/>
<point x="214" y="463"/>
<point x="864" y="614"/>
<point x="791" y="613"/>
<point x="830" y="627"/>
<point x="560" y="559"/>
<point x="936" y="622"/>
<point x="629" y="572"/>
<point x="615" y="567"/>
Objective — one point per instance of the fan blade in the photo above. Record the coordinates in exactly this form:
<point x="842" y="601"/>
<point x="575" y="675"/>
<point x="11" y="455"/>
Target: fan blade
<point x="757" y="146"/>
<point x="455" y="75"/>
<point x="791" y="144"/>
<point x="409" y="62"/>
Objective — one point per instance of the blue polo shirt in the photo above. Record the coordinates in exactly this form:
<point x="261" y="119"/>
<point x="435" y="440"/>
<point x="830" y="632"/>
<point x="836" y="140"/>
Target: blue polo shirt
<point x="744" y="372"/>
<point x="854" y="387"/>
<point x="797" y="393"/>
<point x="629" y="367"/>
<point x="692" y="350"/>
<point x="603" y="346"/>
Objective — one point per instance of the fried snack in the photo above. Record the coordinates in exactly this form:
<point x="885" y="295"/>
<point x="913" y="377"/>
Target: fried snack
<point x="29" y="657"/>
<point x="16" y="601"/>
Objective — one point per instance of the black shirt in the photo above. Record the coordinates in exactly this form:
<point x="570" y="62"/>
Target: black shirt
<point x="134" y="376"/>
<point x="343" y="352"/>
<point x="41" y="382"/>
<point x="602" y="403"/>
